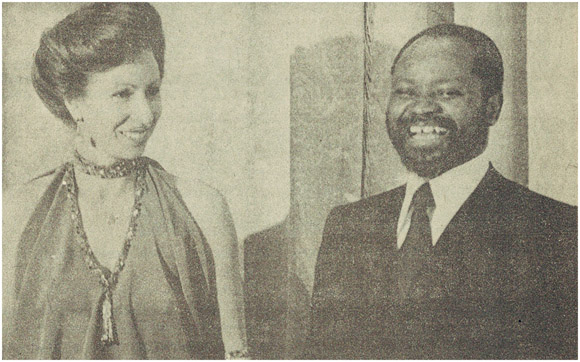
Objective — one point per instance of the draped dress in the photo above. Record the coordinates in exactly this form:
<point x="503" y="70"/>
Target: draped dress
<point x="165" y="302"/>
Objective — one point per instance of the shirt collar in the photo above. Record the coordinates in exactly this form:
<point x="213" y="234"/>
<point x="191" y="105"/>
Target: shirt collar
<point x="450" y="190"/>
<point x="453" y="187"/>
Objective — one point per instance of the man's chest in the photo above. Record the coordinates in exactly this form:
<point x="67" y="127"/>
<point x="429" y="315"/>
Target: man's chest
<point x="471" y="261"/>
<point x="471" y="287"/>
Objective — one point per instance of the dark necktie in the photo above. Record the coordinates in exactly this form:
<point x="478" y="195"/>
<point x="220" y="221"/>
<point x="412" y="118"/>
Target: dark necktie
<point x="419" y="236"/>
<point x="417" y="246"/>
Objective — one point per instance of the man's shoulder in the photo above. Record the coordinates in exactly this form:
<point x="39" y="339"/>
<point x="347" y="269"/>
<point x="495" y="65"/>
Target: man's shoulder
<point x="368" y="213"/>
<point x="550" y="214"/>
<point x="525" y="202"/>
<point x="371" y="204"/>
<point x="548" y="204"/>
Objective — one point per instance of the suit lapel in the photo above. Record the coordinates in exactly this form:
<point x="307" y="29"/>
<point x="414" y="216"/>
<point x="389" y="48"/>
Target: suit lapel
<point x="473" y="217"/>
<point x="378" y="244"/>
<point x="392" y="205"/>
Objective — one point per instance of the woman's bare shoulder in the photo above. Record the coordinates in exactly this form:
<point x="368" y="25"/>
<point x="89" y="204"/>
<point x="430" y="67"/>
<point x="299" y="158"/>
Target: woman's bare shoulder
<point x="199" y="195"/>
<point x="200" y="198"/>
<point x="210" y="209"/>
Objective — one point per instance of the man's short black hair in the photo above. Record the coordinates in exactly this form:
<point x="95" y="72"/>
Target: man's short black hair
<point x="487" y="63"/>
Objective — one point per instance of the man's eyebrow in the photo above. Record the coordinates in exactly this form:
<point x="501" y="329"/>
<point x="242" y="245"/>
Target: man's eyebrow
<point x="436" y="82"/>
<point x="450" y="80"/>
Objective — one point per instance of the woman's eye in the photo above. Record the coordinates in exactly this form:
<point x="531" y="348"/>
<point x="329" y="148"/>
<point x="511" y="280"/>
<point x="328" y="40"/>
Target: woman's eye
<point x="404" y="92"/>
<point x="124" y="94"/>
<point x="153" y="91"/>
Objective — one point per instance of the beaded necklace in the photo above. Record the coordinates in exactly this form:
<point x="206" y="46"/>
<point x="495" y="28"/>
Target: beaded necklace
<point x="108" y="278"/>
<point x="120" y="168"/>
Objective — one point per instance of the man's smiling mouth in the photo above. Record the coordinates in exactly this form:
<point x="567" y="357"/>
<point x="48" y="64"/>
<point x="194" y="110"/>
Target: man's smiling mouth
<point x="423" y="136"/>
<point x="424" y="131"/>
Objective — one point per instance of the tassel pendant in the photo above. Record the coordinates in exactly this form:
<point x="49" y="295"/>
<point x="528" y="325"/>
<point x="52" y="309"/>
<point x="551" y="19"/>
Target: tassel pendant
<point x="109" y="336"/>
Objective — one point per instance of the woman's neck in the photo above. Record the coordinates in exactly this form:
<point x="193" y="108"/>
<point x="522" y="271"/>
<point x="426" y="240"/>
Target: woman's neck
<point x="104" y="190"/>
<point x="93" y="183"/>
<point x="92" y="154"/>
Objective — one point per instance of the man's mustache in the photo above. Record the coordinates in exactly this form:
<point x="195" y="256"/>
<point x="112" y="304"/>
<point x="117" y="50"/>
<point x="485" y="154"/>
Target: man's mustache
<point x="432" y="119"/>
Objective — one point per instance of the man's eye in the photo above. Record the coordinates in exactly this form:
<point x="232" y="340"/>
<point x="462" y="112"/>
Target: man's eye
<point x="153" y="91"/>
<point x="449" y="93"/>
<point x="124" y="94"/>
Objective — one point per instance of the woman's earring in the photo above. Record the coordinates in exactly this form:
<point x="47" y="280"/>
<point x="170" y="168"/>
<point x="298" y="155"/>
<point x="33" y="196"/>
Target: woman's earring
<point x="78" y="122"/>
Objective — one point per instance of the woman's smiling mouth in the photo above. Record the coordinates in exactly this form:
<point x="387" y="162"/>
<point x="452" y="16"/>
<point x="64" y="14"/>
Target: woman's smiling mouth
<point x="137" y="135"/>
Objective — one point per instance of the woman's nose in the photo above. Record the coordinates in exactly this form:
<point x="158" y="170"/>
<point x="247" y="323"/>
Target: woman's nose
<point x="144" y="110"/>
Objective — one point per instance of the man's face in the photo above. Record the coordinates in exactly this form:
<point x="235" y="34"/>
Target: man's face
<point x="436" y="116"/>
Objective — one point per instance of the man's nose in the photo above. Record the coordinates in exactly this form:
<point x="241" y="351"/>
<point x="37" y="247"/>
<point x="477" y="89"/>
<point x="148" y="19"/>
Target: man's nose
<point x="423" y="105"/>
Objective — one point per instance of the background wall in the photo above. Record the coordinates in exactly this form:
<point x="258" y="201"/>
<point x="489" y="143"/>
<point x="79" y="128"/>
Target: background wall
<point x="264" y="101"/>
<point x="552" y="55"/>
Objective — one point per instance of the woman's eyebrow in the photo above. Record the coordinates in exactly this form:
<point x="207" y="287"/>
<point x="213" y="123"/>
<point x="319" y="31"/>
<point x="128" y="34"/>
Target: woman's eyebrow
<point x="124" y="85"/>
<point x="403" y="80"/>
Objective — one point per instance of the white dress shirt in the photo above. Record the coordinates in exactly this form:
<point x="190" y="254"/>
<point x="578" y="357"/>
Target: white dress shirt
<point x="450" y="191"/>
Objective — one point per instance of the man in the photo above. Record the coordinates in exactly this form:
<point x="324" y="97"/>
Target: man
<point x="459" y="262"/>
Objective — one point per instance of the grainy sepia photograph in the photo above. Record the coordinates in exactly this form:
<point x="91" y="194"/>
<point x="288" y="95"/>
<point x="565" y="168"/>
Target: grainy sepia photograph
<point x="289" y="180"/>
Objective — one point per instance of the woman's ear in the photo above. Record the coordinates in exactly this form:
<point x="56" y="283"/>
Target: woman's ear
<point x="74" y="109"/>
<point x="493" y="108"/>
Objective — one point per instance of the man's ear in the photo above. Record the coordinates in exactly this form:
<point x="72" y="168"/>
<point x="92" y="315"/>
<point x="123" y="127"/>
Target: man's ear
<point x="493" y="108"/>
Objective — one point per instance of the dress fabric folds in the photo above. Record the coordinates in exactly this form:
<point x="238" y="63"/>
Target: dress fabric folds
<point x="164" y="305"/>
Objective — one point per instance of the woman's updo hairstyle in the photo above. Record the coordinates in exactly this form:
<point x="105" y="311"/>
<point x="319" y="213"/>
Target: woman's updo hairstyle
<point x="94" y="38"/>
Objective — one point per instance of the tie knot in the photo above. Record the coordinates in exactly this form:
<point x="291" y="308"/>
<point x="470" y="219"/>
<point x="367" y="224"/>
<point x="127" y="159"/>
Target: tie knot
<point x="423" y="197"/>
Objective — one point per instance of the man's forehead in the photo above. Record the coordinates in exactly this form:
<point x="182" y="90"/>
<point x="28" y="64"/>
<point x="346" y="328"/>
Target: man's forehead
<point x="428" y="48"/>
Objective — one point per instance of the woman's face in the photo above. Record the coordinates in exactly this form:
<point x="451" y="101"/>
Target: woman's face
<point x="120" y="109"/>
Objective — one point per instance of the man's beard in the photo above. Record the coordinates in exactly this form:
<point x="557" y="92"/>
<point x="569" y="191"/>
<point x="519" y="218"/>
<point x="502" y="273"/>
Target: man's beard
<point x="457" y="146"/>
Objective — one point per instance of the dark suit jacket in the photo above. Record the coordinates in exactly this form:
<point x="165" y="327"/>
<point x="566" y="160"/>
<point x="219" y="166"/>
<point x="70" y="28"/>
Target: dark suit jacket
<point x="501" y="283"/>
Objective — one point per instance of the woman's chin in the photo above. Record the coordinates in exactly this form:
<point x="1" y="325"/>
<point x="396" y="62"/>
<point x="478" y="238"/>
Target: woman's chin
<point x="126" y="150"/>
<point x="130" y="154"/>
<point x="109" y="158"/>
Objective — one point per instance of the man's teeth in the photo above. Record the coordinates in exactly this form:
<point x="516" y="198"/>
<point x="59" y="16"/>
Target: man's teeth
<point x="415" y="130"/>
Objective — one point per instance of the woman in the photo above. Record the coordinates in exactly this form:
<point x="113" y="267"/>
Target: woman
<point x="116" y="258"/>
